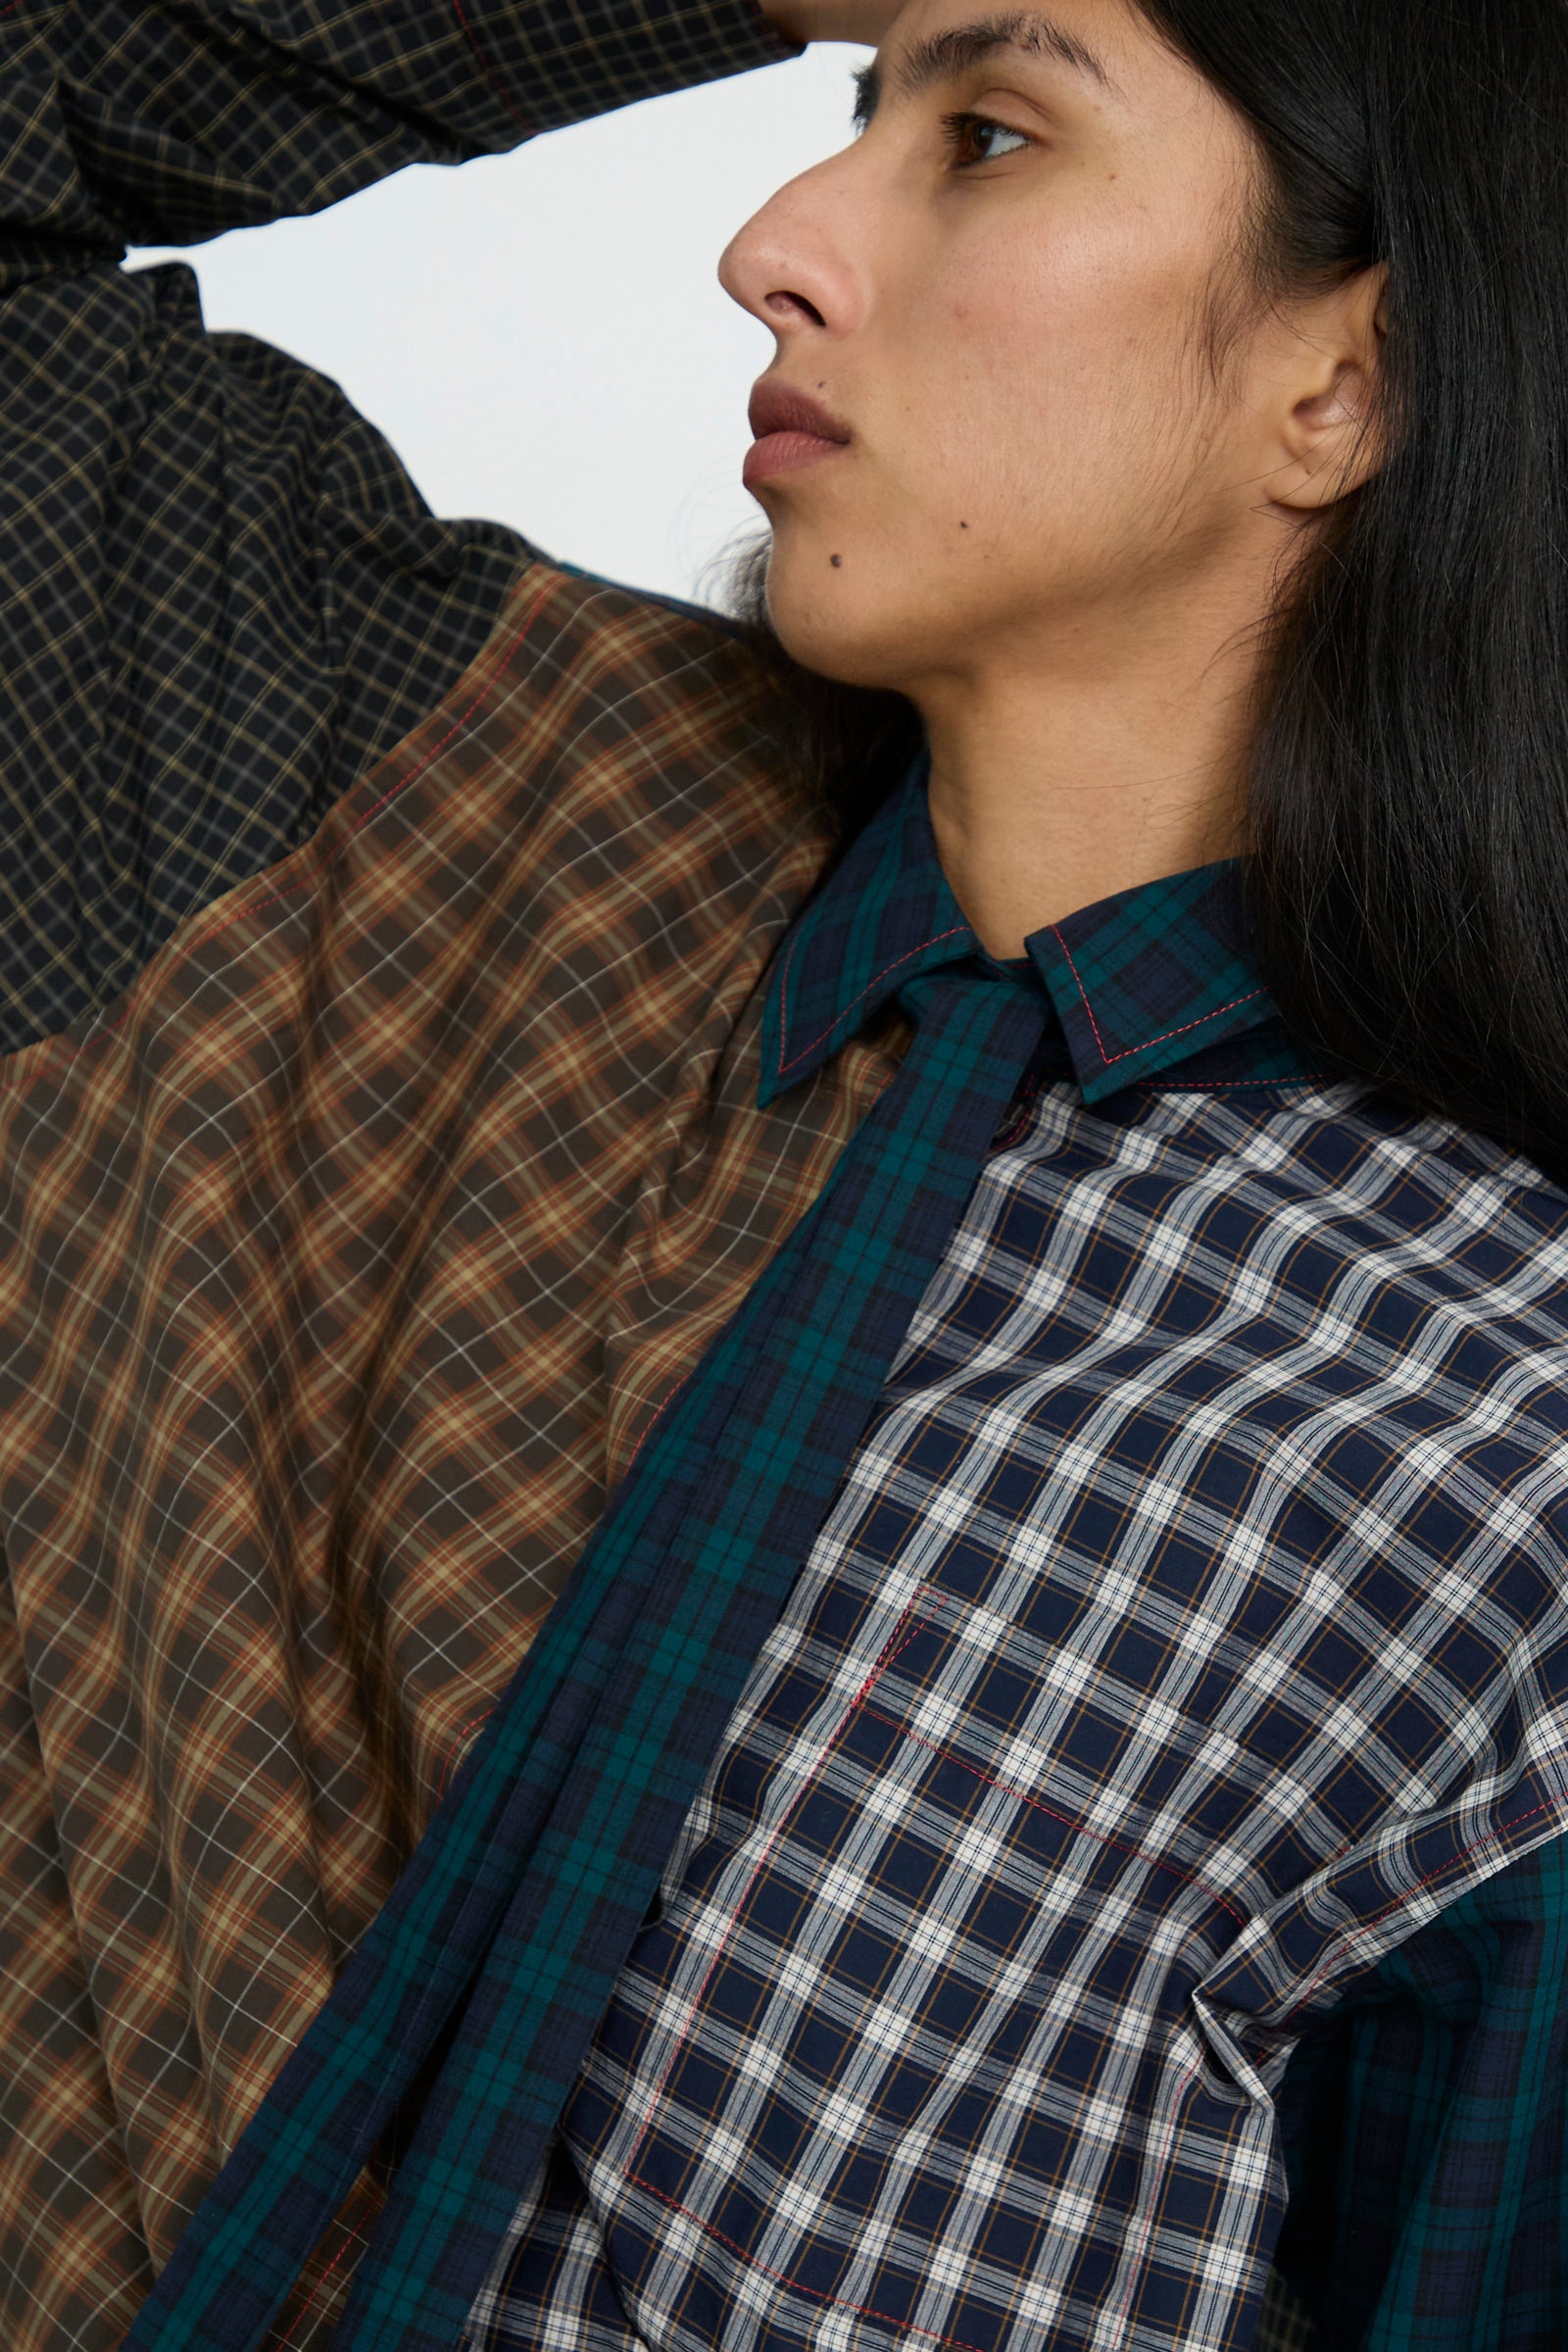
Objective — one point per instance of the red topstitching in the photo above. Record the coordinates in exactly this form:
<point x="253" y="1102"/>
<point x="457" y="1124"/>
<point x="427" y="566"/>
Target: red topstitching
<point x="1068" y="1820"/>
<point x="843" y="1011"/>
<point x="1142" y="1045"/>
<point x="897" y="1640"/>
<point x="472" y="40"/>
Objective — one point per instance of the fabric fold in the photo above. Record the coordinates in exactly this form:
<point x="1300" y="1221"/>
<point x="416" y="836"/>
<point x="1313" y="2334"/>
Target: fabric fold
<point x="523" y="1899"/>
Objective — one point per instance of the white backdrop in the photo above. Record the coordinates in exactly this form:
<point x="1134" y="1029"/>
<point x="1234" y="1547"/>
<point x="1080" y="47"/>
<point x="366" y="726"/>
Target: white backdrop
<point x="541" y="335"/>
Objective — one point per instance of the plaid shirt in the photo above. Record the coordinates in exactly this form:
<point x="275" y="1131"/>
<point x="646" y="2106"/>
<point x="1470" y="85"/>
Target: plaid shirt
<point x="1135" y="1696"/>
<point x="222" y="606"/>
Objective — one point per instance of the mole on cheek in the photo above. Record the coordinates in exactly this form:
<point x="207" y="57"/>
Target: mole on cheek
<point x="835" y="561"/>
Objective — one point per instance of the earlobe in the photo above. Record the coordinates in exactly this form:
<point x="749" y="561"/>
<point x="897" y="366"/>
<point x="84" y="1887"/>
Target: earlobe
<point x="1333" y="435"/>
<point x="1335" y="442"/>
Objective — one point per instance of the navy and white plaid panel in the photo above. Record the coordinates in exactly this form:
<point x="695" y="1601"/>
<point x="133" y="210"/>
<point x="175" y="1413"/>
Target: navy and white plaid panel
<point x="1190" y="1629"/>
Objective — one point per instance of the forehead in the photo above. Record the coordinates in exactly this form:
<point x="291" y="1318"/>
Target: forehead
<point x="934" y="42"/>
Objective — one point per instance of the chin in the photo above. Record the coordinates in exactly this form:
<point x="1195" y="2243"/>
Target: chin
<point x="839" y="620"/>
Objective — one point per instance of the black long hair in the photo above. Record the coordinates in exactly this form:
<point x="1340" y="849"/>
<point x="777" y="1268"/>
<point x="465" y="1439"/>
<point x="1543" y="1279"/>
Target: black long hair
<point x="1408" y="866"/>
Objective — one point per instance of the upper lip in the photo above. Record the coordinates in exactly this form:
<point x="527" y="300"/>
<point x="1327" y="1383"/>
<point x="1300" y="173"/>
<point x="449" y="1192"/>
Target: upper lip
<point x="779" y="408"/>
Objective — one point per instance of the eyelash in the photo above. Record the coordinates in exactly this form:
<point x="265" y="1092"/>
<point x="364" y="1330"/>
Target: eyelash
<point x="958" y="128"/>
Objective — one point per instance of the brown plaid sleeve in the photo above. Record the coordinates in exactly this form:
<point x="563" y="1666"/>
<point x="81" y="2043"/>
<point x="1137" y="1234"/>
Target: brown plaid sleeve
<point x="345" y="1262"/>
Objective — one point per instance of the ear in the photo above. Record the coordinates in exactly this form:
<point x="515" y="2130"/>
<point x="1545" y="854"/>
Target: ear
<point x="1330" y="432"/>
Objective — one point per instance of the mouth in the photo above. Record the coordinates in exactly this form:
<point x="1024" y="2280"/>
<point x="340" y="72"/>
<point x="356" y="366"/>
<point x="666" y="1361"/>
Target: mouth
<point x="792" y="430"/>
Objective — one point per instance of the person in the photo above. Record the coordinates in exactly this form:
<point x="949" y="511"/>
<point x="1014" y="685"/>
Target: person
<point x="783" y="1424"/>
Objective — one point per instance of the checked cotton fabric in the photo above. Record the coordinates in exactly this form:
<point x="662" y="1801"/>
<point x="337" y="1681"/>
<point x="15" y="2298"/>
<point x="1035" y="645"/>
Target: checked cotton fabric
<point x="1189" y="1630"/>
<point x="1423" y="2149"/>
<point x="222" y="599"/>
<point x="359" y="1229"/>
<point x="346" y="1262"/>
<point x="539" y="1868"/>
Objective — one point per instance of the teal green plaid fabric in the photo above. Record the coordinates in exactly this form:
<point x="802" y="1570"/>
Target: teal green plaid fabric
<point x="1426" y="2130"/>
<point x="1152" y="987"/>
<point x="1157" y="978"/>
<point x="524" y="1896"/>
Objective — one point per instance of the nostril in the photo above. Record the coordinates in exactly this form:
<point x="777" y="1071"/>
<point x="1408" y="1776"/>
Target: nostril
<point x="785" y="305"/>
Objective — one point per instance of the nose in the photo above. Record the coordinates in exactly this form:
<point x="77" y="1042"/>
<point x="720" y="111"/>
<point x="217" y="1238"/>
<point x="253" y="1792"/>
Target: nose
<point x="791" y="264"/>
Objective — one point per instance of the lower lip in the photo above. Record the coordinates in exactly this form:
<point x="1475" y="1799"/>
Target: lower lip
<point x="785" y="453"/>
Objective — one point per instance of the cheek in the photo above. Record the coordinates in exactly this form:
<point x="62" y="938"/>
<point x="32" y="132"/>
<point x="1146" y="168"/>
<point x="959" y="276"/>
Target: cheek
<point x="1056" y="366"/>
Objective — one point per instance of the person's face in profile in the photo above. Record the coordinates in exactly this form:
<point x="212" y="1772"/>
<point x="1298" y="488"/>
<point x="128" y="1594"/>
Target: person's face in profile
<point x="1026" y="296"/>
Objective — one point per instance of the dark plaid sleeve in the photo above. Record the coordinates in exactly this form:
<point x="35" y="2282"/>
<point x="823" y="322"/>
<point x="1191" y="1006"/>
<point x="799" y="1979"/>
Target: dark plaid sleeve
<point x="220" y="598"/>
<point x="122" y="123"/>
<point x="1426" y="2133"/>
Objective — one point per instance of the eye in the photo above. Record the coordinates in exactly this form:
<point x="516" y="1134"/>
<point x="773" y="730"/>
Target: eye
<point x="977" y="139"/>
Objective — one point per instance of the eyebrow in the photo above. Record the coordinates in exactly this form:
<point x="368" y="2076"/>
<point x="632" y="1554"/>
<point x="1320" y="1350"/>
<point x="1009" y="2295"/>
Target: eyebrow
<point x="942" y="56"/>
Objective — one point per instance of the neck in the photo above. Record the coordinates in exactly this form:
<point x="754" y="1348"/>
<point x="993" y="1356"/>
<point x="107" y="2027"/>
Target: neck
<point x="1114" y="760"/>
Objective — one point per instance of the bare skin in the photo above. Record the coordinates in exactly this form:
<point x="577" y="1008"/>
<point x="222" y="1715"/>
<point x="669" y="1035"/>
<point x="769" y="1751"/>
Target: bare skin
<point x="1061" y="519"/>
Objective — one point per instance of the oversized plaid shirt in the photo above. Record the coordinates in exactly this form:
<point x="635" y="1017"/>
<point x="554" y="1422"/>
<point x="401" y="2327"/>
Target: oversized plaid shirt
<point x="397" y="1325"/>
<point x="1101" y="1747"/>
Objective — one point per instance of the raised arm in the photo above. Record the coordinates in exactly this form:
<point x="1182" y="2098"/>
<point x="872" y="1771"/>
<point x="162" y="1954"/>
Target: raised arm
<point x="220" y="598"/>
<point x="122" y="123"/>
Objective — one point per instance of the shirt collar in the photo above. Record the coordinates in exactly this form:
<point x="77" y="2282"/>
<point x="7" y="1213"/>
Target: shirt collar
<point x="1140" y="982"/>
<point x="1145" y="980"/>
<point x="884" y="914"/>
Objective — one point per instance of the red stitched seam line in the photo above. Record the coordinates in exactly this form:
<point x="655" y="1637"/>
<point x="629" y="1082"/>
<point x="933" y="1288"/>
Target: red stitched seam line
<point x="312" y="2301"/>
<point x="471" y="38"/>
<point x="1068" y="1820"/>
<point x="402" y="785"/>
<point x="890" y="1651"/>
<point x="1220" y="1086"/>
<point x="660" y="1410"/>
<point x="838" y="2302"/>
<point x="845" y="1010"/>
<point x="1108" y="1060"/>
<point x="1463" y="1853"/>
